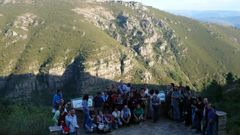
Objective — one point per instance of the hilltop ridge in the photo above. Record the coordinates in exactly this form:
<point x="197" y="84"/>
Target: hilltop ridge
<point x="48" y="44"/>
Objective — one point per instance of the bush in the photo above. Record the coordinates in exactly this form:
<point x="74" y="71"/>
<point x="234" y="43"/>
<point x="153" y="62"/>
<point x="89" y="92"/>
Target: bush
<point x="214" y="91"/>
<point x="24" y="119"/>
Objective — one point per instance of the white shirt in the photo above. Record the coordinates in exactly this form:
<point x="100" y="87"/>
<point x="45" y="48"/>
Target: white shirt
<point x="116" y="114"/>
<point x="71" y="122"/>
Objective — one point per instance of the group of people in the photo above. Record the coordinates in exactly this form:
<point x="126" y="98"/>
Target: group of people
<point x="122" y="105"/>
<point x="184" y="105"/>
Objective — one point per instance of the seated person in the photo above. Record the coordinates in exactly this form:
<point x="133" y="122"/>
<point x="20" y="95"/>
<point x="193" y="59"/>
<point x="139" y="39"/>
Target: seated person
<point x="138" y="113"/>
<point x="71" y="122"/>
<point x="125" y="115"/>
<point x="62" y="116"/>
<point x="56" y="116"/>
<point x="108" y="119"/>
<point x="116" y="118"/>
<point x="102" y="123"/>
<point x="90" y="126"/>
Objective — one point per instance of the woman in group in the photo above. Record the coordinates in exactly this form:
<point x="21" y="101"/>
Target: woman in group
<point x="102" y="123"/>
<point x="56" y="116"/>
<point x="199" y="114"/>
<point x="108" y="119"/>
<point x="85" y="109"/>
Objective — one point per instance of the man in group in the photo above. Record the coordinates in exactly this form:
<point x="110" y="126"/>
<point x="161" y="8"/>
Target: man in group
<point x="138" y="114"/>
<point x="211" y="119"/>
<point x="98" y="102"/>
<point x="205" y="115"/>
<point x="126" y="115"/>
<point x="155" y="105"/>
<point x="71" y="122"/>
<point x="123" y="88"/>
<point x="57" y="100"/>
<point x="175" y="104"/>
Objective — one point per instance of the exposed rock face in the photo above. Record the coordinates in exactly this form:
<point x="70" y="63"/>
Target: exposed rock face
<point x="150" y="38"/>
<point x="16" y="1"/>
<point x="144" y="37"/>
<point x="25" y="21"/>
<point x="84" y="45"/>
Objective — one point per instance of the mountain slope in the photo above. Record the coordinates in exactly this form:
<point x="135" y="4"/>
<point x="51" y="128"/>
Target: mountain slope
<point x="76" y="44"/>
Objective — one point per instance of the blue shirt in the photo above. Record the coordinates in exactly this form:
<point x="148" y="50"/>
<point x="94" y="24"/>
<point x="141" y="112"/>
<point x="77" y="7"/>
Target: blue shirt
<point x="123" y="89"/>
<point x="211" y="115"/>
<point x="56" y="99"/>
<point x="85" y="106"/>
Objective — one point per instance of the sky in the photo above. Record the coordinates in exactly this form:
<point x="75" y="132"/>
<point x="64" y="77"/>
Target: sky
<point x="192" y="4"/>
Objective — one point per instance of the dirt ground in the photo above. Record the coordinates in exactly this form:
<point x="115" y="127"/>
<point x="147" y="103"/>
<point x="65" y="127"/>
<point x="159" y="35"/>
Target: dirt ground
<point x="162" y="127"/>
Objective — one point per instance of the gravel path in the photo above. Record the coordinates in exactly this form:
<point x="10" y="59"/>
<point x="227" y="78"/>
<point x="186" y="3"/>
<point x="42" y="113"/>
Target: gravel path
<point x="163" y="127"/>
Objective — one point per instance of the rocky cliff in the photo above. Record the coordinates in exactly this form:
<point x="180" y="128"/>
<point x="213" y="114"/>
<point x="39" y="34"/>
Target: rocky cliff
<point x="83" y="46"/>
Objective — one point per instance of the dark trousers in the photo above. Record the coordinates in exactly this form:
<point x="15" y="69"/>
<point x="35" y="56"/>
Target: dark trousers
<point x="155" y="113"/>
<point x="198" y="122"/>
<point x="188" y="118"/>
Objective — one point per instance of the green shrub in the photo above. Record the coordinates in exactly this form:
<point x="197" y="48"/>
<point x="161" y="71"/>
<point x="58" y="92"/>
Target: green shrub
<point x="24" y="119"/>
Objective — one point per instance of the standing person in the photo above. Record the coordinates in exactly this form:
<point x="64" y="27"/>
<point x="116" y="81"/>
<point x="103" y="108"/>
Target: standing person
<point x="143" y="101"/>
<point x="193" y="106"/>
<point x="116" y="118"/>
<point x="104" y="97"/>
<point x="126" y="115"/>
<point x="149" y="105"/>
<point x="188" y="111"/>
<point x="175" y="104"/>
<point x="205" y="115"/>
<point x="85" y="109"/>
<point x="57" y="100"/>
<point x="211" y="119"/>
<point x="181" y="91"/>
<point x="119" y="101"/>
<point x="199" y="114"/>
<point x="146" y="91"/>
<point x="71" y="122"/>
<point x="168" y="104"/>
<point x="98" y="102"/>
<point x="122" y="88"/>
<point x="155" y="105"/>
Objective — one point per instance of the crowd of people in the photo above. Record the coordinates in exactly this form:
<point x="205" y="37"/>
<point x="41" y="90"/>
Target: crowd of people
<point x="122" y="105"/>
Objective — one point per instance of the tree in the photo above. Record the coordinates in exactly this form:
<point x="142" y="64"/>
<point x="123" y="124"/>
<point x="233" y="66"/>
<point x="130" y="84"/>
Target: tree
<point x="214" y="91"/>
<point x="230" y="78"/>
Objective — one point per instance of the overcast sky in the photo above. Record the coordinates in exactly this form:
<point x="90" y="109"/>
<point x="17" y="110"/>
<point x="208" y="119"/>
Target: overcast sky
<point x="193" y="4"/>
